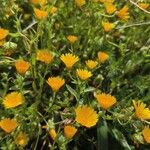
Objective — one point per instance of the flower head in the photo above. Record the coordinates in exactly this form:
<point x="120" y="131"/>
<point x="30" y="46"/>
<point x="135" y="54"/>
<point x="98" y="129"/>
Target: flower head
<point x="55" y="83"/>
<point x="141" y="111"/>
<point x="108" y="26"/>
<point x="21" y="139"/>
<point x="106" y="100"/>
<point x="86" y="116"/>
<point x="53" y="10"/>
<point x="146" y="134"/>
<point x="91" y="64"/>
<point x="22" y="66"/>
<point x="72" y="39"/>
<point x="102" y="56"/>
<point x="123" y="13"/>
<point x="52" y="133"/>
<point x="8" y="125"/>
<point x="80" y="3"/>
<point x="69" y="59"/>
<point x="13" y="99"/>
<point x="3" y="33"/>
<point x="40" y="2"/>
<point x="44" y="56"/>
<point x="144" y="5"/>
<point x="83" y="74"/>
<point x="110" y="8"/>
<point x="40" y="14"/>
<point x="69" y="131"/>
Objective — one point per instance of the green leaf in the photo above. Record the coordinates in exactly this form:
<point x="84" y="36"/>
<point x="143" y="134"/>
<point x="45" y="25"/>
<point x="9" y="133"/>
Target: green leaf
<point x="90" y="89"/>
<point x="72" y="91"/>
<point x="102" y="135"/>
<point x="121" y="139"/>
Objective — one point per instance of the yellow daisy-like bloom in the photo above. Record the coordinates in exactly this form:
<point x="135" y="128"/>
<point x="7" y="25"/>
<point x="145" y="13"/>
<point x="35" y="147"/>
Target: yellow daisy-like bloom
<point x="69" y="59"/>
<point x="106" y="100"/>
<point x="55" y="83"/>
<point x="69" y="131"/>
<point x="44" y="56"/>
<point x="8" y="125"/>
<point x="141" y="111"/>
<point x="13" y="99"/>
<point x="53" y="10"/>
<point x="52" y="133"/>
<point x="21" y="139"/>
<point x="146" y="134"/>
<point x="72" y="39"/>
<point x="40" y="2"/>
<point x="91" y="64"/>
<point x="102" y="56"/>
<point x="3" y="33"/>
<point x="123" y="13"/>
<point x="80" y="3"/>
<point x="110" y="8"/>
<point x="86" y="116"/>
<point x="40" y="14"/>
<point x="83" y="74"/>
<point x="144" y="5"/>
<point x="108" y="26"/>
<point x="22" y="66"/>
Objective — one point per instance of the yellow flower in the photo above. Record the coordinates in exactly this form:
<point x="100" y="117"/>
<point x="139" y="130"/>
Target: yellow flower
<point x="69" y="131"/>
<point x="83" y="74"/>
<point x="143" y="5"/>
<point x="110" y="8"/>
<point x="8" y="125"/>
<point x="72" y="39"/>
<point x="55" y="83"/>
<point x="141" y="111"/>
<point x="21" y="139"/>
<point x="13" y="99"/>
<point x="53" y="10"/>
<point x="40" y="14"/>
<point x="80" y="3"/>
<point x="146" y="134"/>
<point x="69" y="59"/>
<point x="40" y="2"/>
<point x="3" y="33"/>
<point x="106" y="100"/>
<point x="108" y="26"/>
<point x="44" y="56"/>
<point x="51" y="129"/>
<point x="91" y="64"/>
<point x="123" y="13"/>
<point x="22" y="66"/>
<point x="102" y="56"/>
<point x="86" y="116"/>
<point x="52" y="133"/>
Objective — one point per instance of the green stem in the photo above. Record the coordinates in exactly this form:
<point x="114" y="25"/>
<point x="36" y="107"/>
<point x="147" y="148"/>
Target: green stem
<point x="38" y="135"/>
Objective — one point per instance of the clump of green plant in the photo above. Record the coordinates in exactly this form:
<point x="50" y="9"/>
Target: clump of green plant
<point x="74" y="74"/>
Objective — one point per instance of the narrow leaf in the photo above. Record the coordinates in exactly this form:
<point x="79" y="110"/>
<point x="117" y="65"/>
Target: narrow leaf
<point x="102" y="135"/>
<point x="121" y="139"/>
<point x="72" y="91"/>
